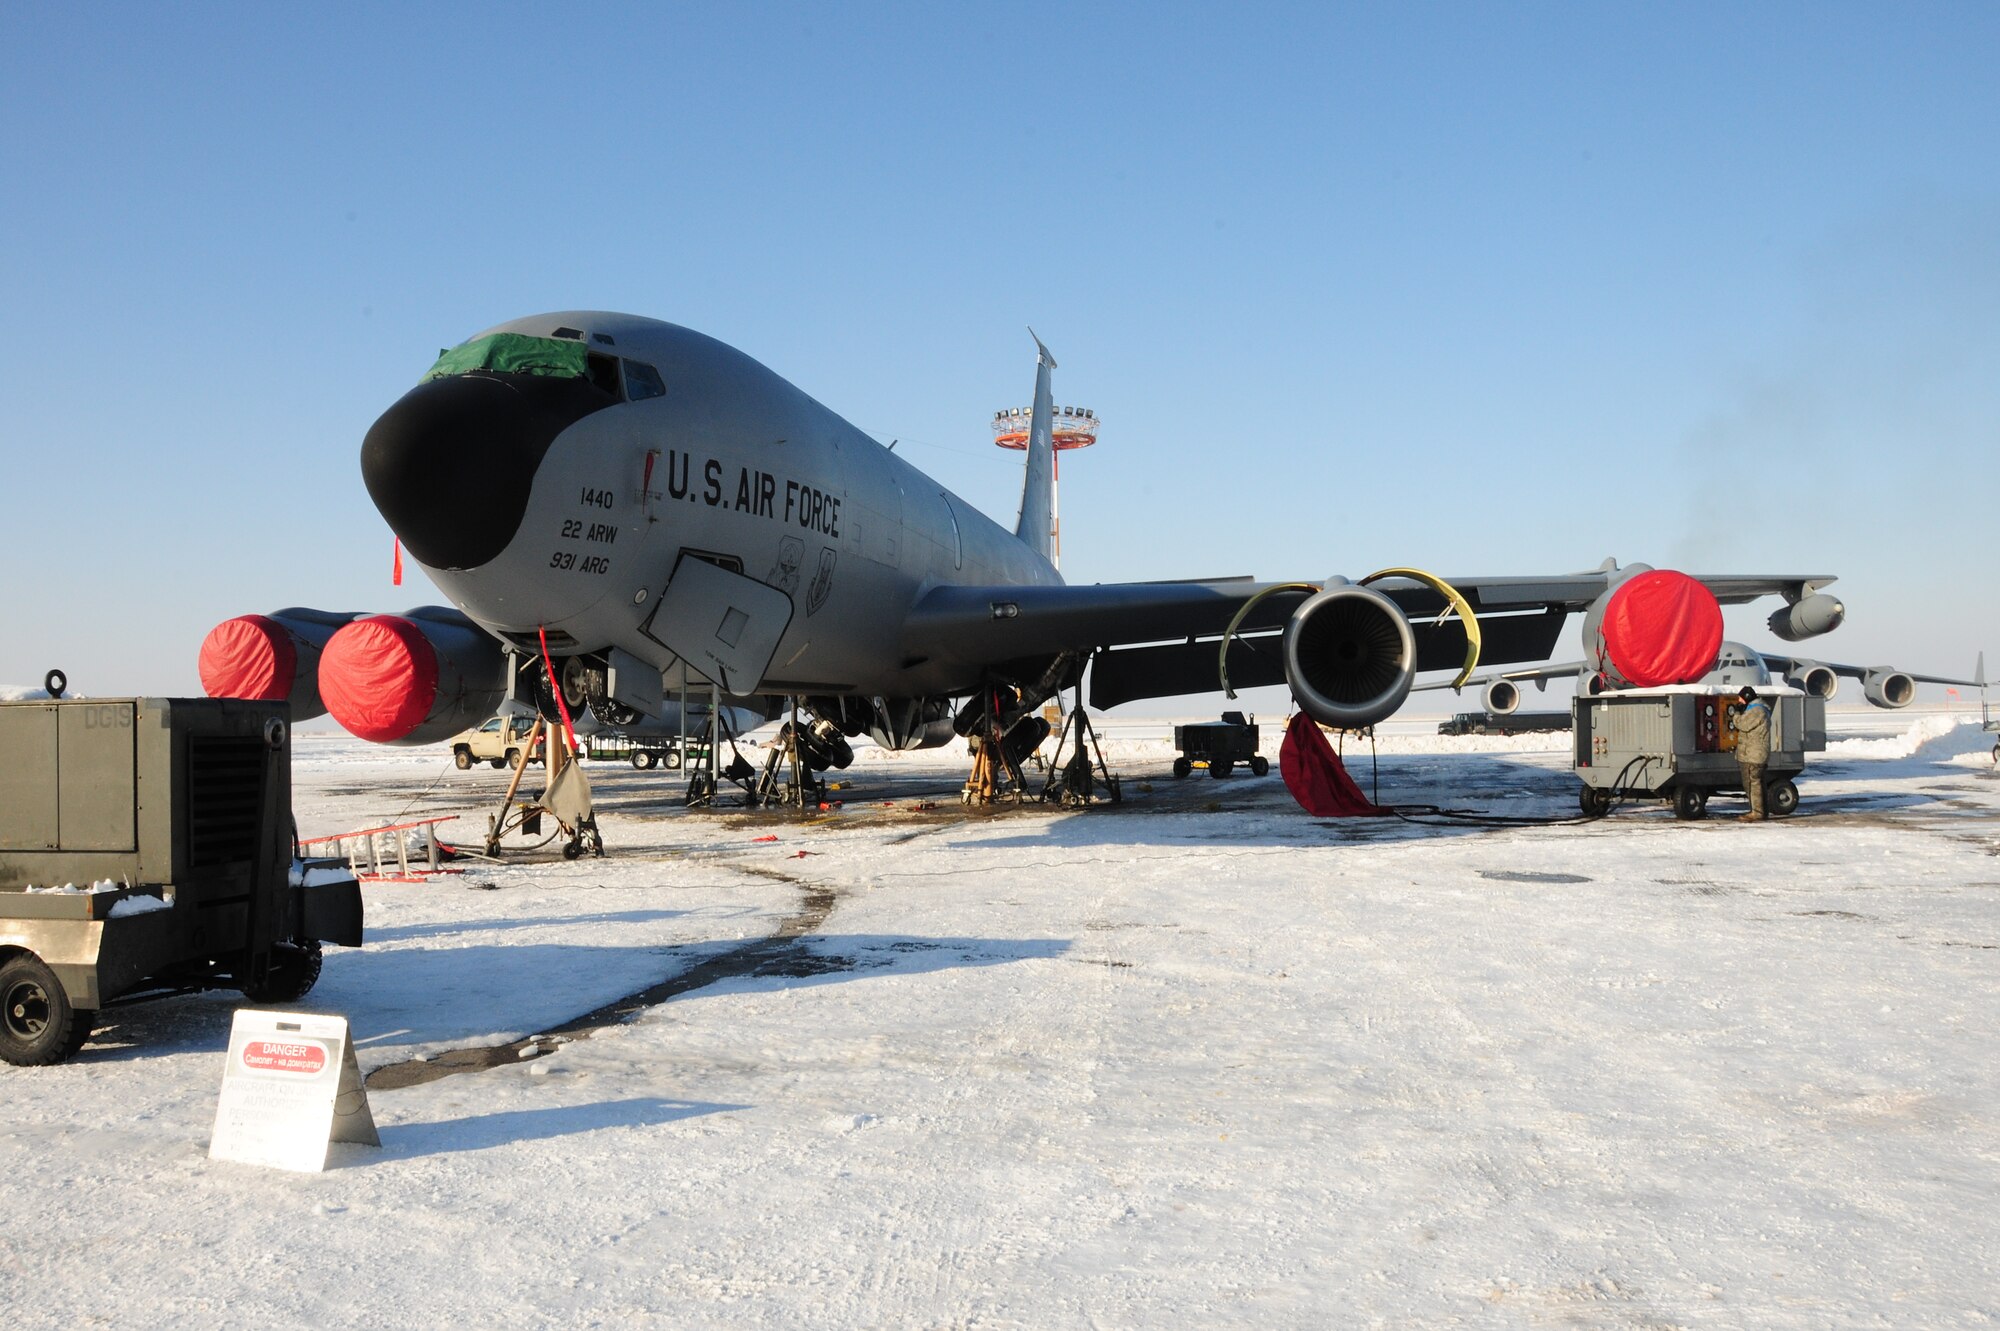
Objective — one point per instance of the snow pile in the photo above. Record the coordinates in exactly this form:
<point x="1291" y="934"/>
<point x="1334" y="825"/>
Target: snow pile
<point x="21" y="693"/>
<point x="72" y="890"/>
<point x="1920" y="734"/>
<point x="139" y="905"/>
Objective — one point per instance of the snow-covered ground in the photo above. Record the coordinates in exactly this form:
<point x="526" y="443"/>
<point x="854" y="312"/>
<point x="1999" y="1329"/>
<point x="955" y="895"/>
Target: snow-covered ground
<point x="1199" y="1060"/>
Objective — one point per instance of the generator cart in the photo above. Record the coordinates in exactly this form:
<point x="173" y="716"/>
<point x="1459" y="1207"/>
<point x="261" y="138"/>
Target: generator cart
<point x="1219" y="746"/>
<point x="1677" y="743"/>
<point x="146" y="847"/>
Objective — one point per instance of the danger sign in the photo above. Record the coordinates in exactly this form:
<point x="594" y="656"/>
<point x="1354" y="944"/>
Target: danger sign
<point x="290" y="1087"/>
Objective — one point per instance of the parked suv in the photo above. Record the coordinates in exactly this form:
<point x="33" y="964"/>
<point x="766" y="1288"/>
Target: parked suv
<point x="502" y="741"/>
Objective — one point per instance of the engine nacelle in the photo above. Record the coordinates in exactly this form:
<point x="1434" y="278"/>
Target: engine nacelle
<point x="413" y="678"/>
<point x="1814" y="679"/>
<point x="1886" y="686"/>
<point x="1502" y="696"/>
<point x="1808" y="617"/>
<point x="269" y="658"/>
<point x="1653" y="627"/>
<point x="1350" y="657"/>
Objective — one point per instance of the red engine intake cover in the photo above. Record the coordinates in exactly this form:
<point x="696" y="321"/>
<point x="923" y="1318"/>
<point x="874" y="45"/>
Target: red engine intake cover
<point x="379" y="677"/>
<point x="1661" y="627"/>
<point x="251" y="656"/>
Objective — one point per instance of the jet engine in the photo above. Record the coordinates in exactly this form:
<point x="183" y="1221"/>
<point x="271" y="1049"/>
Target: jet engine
<point x="1888" y="687"/>
<point x="413" y="678"/>
<point x="271" y="657"/>
<point x="1808" y="617"/>
<point x="1653" y="627"/>
<point x="1814" y="679"/>
<point x="1501" y="697"/>
<point x="1349" y="656"/>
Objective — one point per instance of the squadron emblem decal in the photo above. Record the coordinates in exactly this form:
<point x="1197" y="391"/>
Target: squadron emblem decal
<point x="784" y="574"/>
<point x="822" y="582"/>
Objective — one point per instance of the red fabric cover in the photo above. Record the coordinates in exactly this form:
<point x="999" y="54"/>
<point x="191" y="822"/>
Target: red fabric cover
<point x="379" y="676"/>
<point x="251" y="656"/>
<point x="1661" y="627"/>
<point x="1315" y="775"/>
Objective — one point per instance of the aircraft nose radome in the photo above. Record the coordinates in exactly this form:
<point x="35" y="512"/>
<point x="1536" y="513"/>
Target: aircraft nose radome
<point x="451" y="465"/>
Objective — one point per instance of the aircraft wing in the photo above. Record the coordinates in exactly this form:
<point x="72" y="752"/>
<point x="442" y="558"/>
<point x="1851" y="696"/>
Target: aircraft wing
<point x="1160" y="639"/>
<point x="1540" y="676"/>
<point x="1796" y="665"/>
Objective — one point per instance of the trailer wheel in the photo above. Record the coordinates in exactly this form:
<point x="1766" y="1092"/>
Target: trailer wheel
<point x="1690" y="802"/>
<point x="1594" y="801"/>
<point x="294" y="971"/>
<point x="1219" y="768"/>
<point x="462" y="756"/>
<point x="641" y="759"/>
<point x="1182" y="766"/>
<point x="1781" y="798"/>
<point x="1260" y="765"/>
<point x="37" y="1024"/>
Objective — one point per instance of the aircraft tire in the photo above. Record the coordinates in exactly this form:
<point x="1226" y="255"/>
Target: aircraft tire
<point x="294" y="971"/>
<point x="1220" y="768"/>
<point x="37" y="1024"/>
<point x="1781" y="798"/>
<point x="1260" y="765"/>
<point x="1690" y="803"/>
<point x="1182" y="767"/>
<point x="462" y="756"/>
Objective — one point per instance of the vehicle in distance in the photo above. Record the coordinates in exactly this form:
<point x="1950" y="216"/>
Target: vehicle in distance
<point x="502" y="741"/>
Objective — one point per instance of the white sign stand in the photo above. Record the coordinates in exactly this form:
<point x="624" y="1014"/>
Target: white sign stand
<point x="291" y="1087"/>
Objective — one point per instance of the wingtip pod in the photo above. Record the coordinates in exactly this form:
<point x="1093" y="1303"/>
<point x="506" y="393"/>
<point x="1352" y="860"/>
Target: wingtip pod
<point x="413" y="678"/>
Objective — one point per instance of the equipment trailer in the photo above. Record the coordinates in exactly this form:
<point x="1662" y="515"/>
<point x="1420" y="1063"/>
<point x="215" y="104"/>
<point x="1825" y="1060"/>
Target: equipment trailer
<point x="146" y="847"/>
<point x="1676" y="743"/>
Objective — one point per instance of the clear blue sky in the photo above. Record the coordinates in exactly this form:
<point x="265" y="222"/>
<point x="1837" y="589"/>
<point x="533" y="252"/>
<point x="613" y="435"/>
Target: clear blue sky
<point x="1481" y="288"/>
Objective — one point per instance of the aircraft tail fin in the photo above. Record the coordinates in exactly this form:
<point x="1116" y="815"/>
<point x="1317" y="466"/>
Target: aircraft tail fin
<point x="1036" y="528"/>
<point x="1979" y="672"/>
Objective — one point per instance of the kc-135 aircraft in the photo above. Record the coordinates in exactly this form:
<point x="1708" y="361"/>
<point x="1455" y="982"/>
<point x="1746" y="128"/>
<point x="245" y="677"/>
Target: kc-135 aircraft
<point x="619" y="507"/>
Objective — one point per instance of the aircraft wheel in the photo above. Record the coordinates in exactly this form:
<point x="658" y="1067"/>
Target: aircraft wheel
<point x="1220" y="768"/>
<point x="1690" y="803"/>
<point x="1781" y="798"/>
<point x="37" y="1024"/>
<point x="462" y="756"/>
<point x="1182" y="767"/>
<point x="1594" y="801"/>
<point x="294" y="971"/>
<point x="1260" y="765"/>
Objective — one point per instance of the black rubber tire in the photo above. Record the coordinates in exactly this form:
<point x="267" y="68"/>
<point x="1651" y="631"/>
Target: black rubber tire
<point x="54" y="683"/>
<point x="1182" y="767"/>
<point x="1690" y="803"/>
<point x="641" y="759"/>
<point x="1260" y="766"/>
<point x="1218" y="770"/>
<point x="1781" y="799"/>
<point x="513" y="759"/>
<point x="1594" y="802"/>
<point x="498" y="762"/>
<point x="462" y="756"/>
<point x="294" y="971"/>
<point x="572" y="849"/>
<point x="37" y="1024"/>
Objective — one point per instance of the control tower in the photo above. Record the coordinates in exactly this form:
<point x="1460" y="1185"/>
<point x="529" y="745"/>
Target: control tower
<point x="1074" y="427"/>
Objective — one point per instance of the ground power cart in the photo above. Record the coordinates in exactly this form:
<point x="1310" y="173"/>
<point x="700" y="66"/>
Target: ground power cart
<point x="146" y="848"/>
<point x="1219" y="746"/>
<point x="1677" y="744"/>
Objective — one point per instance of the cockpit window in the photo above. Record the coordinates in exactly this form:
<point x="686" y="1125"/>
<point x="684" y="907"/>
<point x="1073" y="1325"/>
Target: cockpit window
<point x="513" y="353"/>
<point x="642" y="381"/>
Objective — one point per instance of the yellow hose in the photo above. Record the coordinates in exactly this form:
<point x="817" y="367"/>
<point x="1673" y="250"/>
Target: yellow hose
<point x="1458" y="603"/>
<point x="1222" y="660"/>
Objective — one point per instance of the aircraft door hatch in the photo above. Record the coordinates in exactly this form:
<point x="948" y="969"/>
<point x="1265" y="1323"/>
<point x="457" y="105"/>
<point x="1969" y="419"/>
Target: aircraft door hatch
<point x="721" y="625"/>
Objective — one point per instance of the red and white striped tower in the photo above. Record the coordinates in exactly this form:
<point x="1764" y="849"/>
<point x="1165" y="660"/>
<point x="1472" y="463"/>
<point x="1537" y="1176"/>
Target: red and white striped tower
<point x="1075" y="427"/>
